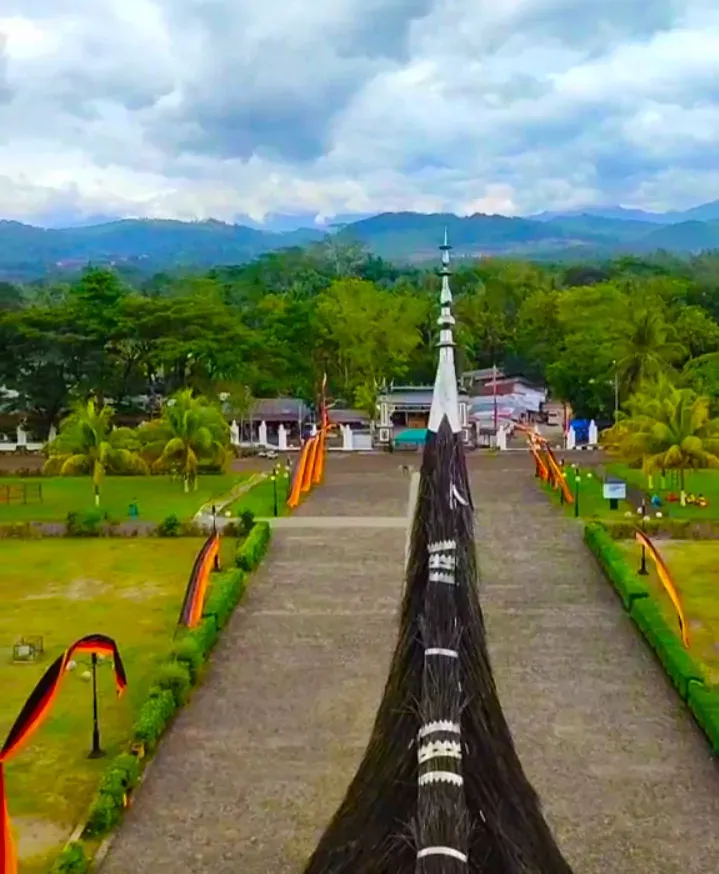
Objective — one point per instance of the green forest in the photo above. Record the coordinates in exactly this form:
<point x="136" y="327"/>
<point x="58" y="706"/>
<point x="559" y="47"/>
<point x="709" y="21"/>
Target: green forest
<point x="272" y="327"/>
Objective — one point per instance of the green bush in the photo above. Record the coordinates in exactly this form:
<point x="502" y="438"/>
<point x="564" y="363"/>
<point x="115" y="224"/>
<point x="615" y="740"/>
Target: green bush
<point x="677" y="662"/>
<point x="188" y="653"/>
<point x="253" y="548"/>
<point x="72" y="860"/>
<point x="104" y="814"/>
<point x="205" y="634"/>
<point x="171" y="526"/>
<point x="154" y="715"/>
<point x="704" y="703"/>
<point x="225" y="595"/>
<point x="624" y="578"/>
<point x="175" y="677"/>
<point x="84" y="524"/>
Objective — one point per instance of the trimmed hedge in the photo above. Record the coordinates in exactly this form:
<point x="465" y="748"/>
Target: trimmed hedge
<point x="72" y="860"/>
<point x="677" y="662"/>
<point x="680" y="666"/>
<point x="174" y="678"/>
<point x="625" y="580"/>
<point x="253" y="548"/>
<point x="704" y="704"/>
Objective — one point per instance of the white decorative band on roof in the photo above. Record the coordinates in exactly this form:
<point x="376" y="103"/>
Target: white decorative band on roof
<point x="441" y="577"/>
<point x="442" y="851"/>
<point x="441" y="725"/>
<point x="454" y="493"/>
<point x="442" y="546"/>
<point x="439" y="749"/>
<point x="440" y="777"/>
<point x="441" y="651"/>
<point x="447" y="562"/>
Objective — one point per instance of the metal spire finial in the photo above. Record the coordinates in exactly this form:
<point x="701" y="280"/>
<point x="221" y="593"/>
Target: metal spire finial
<point x="445" y="401"/>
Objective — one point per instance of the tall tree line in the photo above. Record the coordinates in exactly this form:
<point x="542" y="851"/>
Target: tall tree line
<point x="272" y="327"/>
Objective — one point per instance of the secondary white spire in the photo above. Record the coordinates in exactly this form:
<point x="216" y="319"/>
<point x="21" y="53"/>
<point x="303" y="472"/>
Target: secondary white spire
<point x="445" y="400"/>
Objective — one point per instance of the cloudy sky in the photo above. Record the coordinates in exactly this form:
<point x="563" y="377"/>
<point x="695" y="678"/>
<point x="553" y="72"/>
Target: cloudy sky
<point x="220" y="108"/>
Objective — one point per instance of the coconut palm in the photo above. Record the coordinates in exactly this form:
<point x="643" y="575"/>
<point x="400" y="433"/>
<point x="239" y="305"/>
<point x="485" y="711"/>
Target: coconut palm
<point x="646" y="350"/>
<point x="87" y="444"/>
<point x="190" y="429"/>
<point x="666" y="428"/>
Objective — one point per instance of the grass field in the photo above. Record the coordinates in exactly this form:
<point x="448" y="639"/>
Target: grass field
<point x="63" y="589"/>
<point x="156" y="496"/>
<point x="704" y="482"/>
<point x="592" y="504"/>
<point x="694" y="566"/>
<point x="260" y="499"/>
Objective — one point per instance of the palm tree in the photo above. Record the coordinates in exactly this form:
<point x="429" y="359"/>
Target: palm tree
<point x="667" y="429"/>
<point x="190" y="429"/>
<point x="646" y="349"/>
<point x="87" y="443"/>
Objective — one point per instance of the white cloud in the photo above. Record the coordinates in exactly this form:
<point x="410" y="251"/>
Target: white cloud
<point x="191" y="109"/>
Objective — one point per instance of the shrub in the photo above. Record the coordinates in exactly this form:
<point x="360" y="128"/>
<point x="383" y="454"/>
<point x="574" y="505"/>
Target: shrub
<point x="251" y="551"/>
<point x="188" y="653"/>
<point x="205" y="635"/>
<point x="154" y="715"/>
<point x="623" y="577"/>
<point x="247" y="522"/>
<point x="225" y="594"/>
<point x="104" y="813"/>
<point x="170" y="526"/>
<point x="72" y="860"/>
<point x="84" y="524"/>
<point x="175" y="677"/>
<point x="704" y="704"/>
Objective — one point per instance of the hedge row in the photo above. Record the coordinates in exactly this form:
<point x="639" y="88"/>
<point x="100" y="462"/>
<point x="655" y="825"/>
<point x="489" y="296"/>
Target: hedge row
<point x="172" y="684"/>
<point x="93" y="524"/>
<point x="680" y="666"/>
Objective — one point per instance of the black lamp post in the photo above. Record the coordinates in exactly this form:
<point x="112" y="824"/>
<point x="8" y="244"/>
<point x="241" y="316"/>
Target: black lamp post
<point x="273" y="477"/>
<point x="643" y="566"/>
<point x="96" y="752"/>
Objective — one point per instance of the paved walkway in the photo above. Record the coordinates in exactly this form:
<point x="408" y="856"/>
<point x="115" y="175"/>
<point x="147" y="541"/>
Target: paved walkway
<point x="257" y="763"/>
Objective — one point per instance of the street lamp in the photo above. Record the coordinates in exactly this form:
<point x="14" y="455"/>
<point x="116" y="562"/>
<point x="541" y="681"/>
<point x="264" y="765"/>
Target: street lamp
<point x="576" y="490"/>
<point x="96" y="752"/>
<point x="273" y="477"/>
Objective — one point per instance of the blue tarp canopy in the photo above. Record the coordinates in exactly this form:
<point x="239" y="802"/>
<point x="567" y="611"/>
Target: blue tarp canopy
<point x="411" y="435"/>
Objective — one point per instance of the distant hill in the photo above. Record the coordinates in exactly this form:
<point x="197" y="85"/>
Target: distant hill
<point x="706" y="212"/>
<point x="151" y="245"/>
<point x="147" y="246"/>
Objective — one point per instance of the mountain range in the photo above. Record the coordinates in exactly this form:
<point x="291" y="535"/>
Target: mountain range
<point x="149" y="245"/>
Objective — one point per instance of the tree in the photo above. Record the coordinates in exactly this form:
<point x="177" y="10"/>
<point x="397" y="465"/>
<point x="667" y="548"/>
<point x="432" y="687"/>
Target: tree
<point x="86" y="444"/>
<point x="666" y="429"/>
<point x="646" y="349"/>
<point x="190" y="430"/>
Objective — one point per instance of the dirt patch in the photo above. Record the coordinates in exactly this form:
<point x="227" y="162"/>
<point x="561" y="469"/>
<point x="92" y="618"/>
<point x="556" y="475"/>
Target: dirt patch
<point x="36" y="837"/>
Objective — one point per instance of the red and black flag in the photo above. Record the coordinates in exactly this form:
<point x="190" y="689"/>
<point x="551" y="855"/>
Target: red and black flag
<point x="34" y="712"/>
<point x="440" y="789"/>
<point x="194" y="600"/>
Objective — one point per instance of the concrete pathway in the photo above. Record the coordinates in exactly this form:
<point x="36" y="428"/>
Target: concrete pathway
<point x="254" y="767"/>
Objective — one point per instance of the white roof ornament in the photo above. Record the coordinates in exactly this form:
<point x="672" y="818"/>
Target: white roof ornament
<point x="445" y="400"/>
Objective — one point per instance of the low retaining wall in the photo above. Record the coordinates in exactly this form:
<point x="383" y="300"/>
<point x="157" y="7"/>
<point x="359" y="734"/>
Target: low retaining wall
<point x="681" y="668"/>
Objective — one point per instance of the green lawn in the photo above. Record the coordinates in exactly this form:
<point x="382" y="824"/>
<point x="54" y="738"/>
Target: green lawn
<point x="63" y="589"/>
<point x="260" y="499"/>
<point x="156" y="496"/>
<point x="694" y="566"/>
<point x="704" y="482"/>
<point x="592" y="504"/>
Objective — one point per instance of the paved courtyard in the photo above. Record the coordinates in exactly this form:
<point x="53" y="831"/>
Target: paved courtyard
<point x="257" y="763"/>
